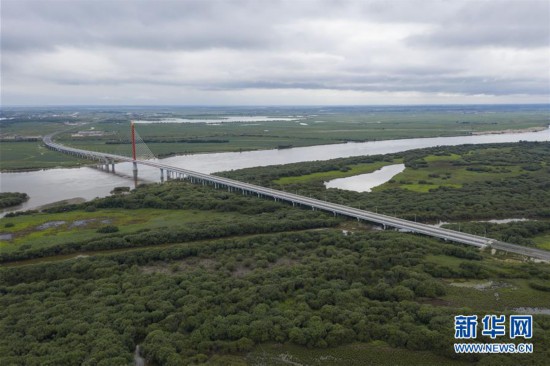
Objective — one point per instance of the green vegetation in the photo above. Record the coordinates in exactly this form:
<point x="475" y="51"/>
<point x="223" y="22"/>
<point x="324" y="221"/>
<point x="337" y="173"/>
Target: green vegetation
<point x="340" y="173"/>
<point x="45" y="230"/>
<point x="107" y="229"/>
<point x="29" y="124"/>
<point x="201" y="275"/>
<point x="357" y="354"/>
<point x="25" y="155"/>
<point x="454" y="171"/>
<point x="468" y="182"/>
<point x="522" y="232"/>
<point x="498" y="295"/>
<point x="150" y="215"/>
<point x="8" y="199"/>
<point x="33" y="155"/>
<point x="318" y="130"/>
<point x="315" y="126"/>
<point x="542" y="241"/>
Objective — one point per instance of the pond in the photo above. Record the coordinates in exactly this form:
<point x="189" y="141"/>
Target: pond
<point x="365" y="182"/>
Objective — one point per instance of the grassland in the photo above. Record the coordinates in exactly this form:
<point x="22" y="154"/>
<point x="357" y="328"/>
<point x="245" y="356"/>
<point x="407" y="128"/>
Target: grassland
<point x="33" y="155"/>
<point x="315" y="126"/>
<point x="307" y="131"/>
<point x="43" y="230"/>
<point x="349" y="171"/>
<point x="444" y="260"/>
<point x="500" y="289"/>
<point x="426" y="172"/>
<point x="357" y="354"/>
<point x="542" y="241"/>
<point x="502" y="295"/>
<point x="31" y="126"/>
<point x="450" y="171"/>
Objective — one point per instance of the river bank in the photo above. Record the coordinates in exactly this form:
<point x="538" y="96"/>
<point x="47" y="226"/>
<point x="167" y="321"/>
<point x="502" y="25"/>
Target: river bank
<point x="501" y="132"/>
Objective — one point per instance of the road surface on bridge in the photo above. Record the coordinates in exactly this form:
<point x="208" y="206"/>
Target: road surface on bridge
<point x="295" y="199"/>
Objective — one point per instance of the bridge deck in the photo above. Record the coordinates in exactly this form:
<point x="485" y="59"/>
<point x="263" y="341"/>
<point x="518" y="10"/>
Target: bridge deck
<point x="334" y="208"/>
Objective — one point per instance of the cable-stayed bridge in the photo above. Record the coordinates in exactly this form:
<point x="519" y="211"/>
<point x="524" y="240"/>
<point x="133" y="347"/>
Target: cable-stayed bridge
<point x="231" y="185"/>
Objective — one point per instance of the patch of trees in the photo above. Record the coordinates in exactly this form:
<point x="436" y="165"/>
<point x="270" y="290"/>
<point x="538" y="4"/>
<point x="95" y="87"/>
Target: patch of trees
<point x="541" y="286"/>
<point x="21" y="213"/>
<point x="316" y="289"/>
<point x="520" y="232"/>
<point x="107" y="229"/>
<point x="181" y="195"/>
<point x="120" y="190"/>
<point x="9" y="199"/>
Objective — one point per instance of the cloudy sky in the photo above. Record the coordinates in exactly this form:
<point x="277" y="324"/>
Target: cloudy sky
<point x="267" y="52"/>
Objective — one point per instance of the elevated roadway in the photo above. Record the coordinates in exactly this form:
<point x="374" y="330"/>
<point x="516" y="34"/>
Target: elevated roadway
<point x="294" y="199"/>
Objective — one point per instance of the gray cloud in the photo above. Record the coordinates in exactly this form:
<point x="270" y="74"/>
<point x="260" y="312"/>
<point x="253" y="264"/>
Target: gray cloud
<point x="460" y="85"/>
<point x="519" y="24"/>
<point x="482" y="35"/>
<point x="494" y="47"/>
<point x="140" y="24"/>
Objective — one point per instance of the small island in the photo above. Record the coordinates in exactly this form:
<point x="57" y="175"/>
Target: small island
<point x="9" y="199"/>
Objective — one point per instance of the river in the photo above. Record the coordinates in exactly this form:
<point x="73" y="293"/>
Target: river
<point x="47" y="186"/>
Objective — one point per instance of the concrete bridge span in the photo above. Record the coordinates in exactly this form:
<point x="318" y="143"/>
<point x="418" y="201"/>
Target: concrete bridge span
<point x="295" y="199"/>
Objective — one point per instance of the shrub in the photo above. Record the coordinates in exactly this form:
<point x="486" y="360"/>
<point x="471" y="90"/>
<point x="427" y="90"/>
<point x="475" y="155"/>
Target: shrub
<point x="540" y="286"/>
<point x="107" y="229"/>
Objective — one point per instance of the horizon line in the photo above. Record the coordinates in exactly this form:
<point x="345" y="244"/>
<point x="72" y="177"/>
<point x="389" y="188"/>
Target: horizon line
<point x="271" y="105"/>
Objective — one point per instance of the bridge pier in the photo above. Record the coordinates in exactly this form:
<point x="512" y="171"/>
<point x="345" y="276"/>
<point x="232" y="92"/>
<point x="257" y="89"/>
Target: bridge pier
<point x="161" y="175"/>
<point x="103" y="165"/>
<point x="135" y="171"/>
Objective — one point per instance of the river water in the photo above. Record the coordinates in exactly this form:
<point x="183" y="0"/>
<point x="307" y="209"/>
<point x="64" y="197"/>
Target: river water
<point x="47" y="186"/>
